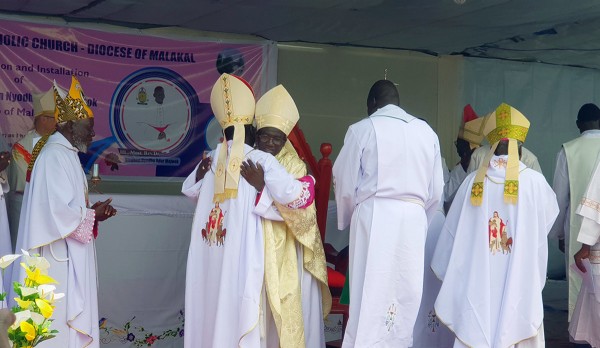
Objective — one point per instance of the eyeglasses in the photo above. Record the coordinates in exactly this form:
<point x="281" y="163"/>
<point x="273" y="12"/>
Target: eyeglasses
<point x="265" y="138"/>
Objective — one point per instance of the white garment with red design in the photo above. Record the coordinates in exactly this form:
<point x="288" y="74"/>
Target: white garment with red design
<point x="585" y="322"/>
<point x="388" y="180"/>
<point x="56" y="223"/>
<point x="492" y="261"/>
<point x="224" y="279"/>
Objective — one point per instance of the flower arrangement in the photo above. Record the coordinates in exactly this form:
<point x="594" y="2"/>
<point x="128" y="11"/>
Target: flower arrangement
<point x="35" y="301"/>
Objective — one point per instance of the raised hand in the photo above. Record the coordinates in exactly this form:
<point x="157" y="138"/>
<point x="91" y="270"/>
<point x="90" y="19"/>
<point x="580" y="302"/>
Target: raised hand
<point x="254" y="174"/>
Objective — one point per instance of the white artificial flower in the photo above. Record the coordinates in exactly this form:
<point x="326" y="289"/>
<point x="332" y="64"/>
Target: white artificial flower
<point x="37" y="262"/>
<point x="37" y="318"/>
<point x="21" y="316"/>
<point x="45" y="290"/>
<point x="6" y="260"/>
<point x="28" y="291"/>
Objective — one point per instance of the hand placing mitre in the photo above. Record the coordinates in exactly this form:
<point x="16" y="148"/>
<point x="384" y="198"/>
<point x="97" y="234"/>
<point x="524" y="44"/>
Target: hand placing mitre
<point x="104" y="210"/>
<point x="254" y="174"/>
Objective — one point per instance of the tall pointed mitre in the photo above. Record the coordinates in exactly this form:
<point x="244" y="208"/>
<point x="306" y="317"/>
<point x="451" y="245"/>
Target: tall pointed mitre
<point x="472" y="127"/>
<point x="277" y="109"/>
<point x="71" y="106"/>
<point x="43" y="103"/>
<point x="505" y="122"/>
<point x="232" y="102"/>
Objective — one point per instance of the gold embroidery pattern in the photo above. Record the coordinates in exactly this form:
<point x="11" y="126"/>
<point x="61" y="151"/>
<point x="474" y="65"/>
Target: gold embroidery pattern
<point x="511" y="191"/>
<point x="281" y="268"/>
<point x="508" y="131"/>
<point x="591" y="204"/>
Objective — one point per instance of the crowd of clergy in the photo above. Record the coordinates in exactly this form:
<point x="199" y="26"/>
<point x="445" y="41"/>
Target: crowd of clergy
<point x="421" y="271"/>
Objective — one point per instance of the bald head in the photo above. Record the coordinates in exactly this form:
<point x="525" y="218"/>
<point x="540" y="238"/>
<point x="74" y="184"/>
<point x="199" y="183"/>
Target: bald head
<point x="382" y="93"/>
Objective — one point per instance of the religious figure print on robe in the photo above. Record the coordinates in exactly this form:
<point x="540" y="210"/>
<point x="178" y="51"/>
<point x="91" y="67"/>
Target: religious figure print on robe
<point x="498" y="235"/>
<point x="214" y="233"/>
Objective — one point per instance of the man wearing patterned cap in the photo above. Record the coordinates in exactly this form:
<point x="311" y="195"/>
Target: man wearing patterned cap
<point x="295" y="267"/>
<point x="492" y="252"/>
<point x="225" y="266"/>
<point x="469" y="138"/>
<point x="574" y="166"/>
<point x="58" y="222"/>
<point x="43" y="124"/>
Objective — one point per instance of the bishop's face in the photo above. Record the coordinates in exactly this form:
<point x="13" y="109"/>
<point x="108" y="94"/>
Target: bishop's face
<point x="83" y="134"/>
<point x="271" y="140"/>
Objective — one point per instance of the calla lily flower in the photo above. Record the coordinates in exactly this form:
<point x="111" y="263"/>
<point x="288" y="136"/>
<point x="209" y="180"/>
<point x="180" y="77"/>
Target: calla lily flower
<point x="44" y="307"/>
<point x="37" y="277"/>
<point x="24" y="304"/>
<point x="45" y="290"/>
<point x="25" y="291"/>
<point x="29" y="330"/>
<point x="7" y="260"/>
<point x="21" y="316"/>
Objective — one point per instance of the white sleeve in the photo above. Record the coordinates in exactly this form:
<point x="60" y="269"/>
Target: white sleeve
<point x="265" y="208"/>
<point x="4" y="182"/>
<point x="190" y="187"/>
<point x="282" y="186"/>
<point x="346" y="173"/>
<point x="436" y="186"/>
<point x="561" y="188"/>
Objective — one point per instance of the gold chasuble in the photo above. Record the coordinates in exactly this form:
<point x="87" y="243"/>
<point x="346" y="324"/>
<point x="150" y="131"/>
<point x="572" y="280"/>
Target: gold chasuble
<point x="281" y="268"/>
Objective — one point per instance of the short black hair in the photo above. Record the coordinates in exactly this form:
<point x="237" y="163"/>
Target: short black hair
<point x="588" y="112"/>
<point x="249" y="136"/>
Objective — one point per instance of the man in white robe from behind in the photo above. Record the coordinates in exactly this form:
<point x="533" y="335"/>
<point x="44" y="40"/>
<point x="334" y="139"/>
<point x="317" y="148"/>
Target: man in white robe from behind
<point x="388" y="179"/>
<point x="57" y="222"/>
<point x="492" y="252"/>
<point x="585" y="322"/>
<point x="225" y="265"/>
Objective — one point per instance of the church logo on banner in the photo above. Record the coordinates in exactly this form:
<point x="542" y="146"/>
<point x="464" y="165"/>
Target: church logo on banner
<point x="214" y="233"/>
<point x="498" y="235"/>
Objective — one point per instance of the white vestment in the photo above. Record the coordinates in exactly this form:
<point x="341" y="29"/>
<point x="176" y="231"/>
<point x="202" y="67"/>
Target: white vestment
<point x="527" y="157"/>
<point x="388" y="178"/>
<point x="5" y="244"/>
<point x="566" y="189"/>
<point x="55" y="208"/>
<point x="585" y="322"/>
<point x="492" y="261"/>
<point x="457" y="176"/>
<point x="225" y="273"/>
<point x="429" y="332"/>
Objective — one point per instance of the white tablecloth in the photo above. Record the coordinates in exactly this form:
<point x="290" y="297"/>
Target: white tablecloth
<point x="142" y="255"/>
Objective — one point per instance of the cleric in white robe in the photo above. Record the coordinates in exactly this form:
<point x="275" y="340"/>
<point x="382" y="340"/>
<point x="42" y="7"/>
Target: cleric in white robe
<point x="388" y="180"/>
<point x="57" y="222"/>
<point x="225" y="265"/>
<point x="585" y="322"/>
<point x="492" y="252"/>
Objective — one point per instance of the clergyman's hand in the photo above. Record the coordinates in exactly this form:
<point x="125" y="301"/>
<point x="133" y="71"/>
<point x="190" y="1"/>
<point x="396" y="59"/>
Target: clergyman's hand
<point x="104" y="210"/>
<point x="4" y="160"/>
<point x="203" y="168"/>
<point x="254" y="174"/>
<point x="583" y="253"/>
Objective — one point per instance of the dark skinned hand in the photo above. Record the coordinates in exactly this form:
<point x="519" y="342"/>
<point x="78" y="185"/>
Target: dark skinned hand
<point x="203" y="168"/>
<point x="4" y="160"/>
<point x="582" y="254"/>
<point x="104" y="210"/>
<point x="254" y="174"/>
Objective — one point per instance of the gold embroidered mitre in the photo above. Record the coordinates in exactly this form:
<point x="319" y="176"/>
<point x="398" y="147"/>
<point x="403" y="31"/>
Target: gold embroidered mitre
<point x="71" y="106"/>
<point x="505" y="122"/>
<point x="277" y="109"/>
<point x="232" y="102"/>
<point x="43" y="103"/>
